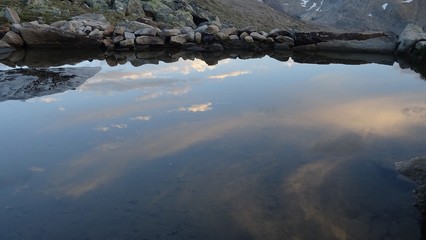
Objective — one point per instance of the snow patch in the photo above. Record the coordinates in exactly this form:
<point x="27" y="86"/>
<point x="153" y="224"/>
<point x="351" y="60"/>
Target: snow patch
<point x="407" y="1"/>
<point x="312" y="7"/>
<point x="304" y="2"/>
<point x="370" y="15"/>
<point x="384" y="6"/>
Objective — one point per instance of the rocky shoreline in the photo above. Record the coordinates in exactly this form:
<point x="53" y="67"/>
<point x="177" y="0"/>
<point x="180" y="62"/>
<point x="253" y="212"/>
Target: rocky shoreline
<point x="90" y="31"/>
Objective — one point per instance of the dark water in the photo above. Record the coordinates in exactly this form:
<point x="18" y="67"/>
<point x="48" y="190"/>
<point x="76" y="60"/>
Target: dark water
<point x="244" y="149"/>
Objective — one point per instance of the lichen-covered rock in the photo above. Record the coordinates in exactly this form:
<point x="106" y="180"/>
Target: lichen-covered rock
<point x="135" y="7"/>
<point x="97" y="4"/>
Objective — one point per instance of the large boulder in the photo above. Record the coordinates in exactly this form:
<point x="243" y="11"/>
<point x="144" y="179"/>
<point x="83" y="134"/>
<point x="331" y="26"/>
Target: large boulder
<point x="96" y="21"/>
<point x="36" y="36"/>
<point x="409" y="37"/>
<point x="13" y="39"/>
<point x="386" y="45"/>
<point x="176" y="13"/>
<point x="11" y="15"/>
<point x="135" y="7"/>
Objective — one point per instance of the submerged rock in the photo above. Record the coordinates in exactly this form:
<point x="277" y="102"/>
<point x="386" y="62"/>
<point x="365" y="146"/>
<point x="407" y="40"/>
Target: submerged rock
<point x="23" y="84"/>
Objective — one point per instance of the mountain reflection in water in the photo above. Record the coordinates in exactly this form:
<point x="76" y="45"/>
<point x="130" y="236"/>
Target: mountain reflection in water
<point x="213" y="147"/>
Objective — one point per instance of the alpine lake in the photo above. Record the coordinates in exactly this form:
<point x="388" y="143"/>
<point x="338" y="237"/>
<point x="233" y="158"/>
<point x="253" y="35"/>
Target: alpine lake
<point x="178" y="145"/>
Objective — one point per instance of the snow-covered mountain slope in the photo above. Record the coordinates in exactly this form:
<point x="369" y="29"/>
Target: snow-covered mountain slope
<point x="385" y="15"/>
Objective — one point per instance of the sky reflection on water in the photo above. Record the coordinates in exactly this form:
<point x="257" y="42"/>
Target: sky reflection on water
<point x="245" y="149"/>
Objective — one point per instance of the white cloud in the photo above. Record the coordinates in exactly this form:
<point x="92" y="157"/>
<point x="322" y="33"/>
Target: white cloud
<point x="48" y="99"/>
<point x="231" y="74"/>
<point x="197" y="108"/>
<point x="141" y="118"/>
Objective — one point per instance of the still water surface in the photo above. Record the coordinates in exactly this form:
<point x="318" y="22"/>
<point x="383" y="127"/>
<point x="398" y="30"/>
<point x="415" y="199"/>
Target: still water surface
<point x="245" y="149"/>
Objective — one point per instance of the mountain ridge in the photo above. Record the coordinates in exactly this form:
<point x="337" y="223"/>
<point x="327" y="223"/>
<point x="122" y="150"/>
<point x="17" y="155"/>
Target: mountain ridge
<point x="361" y="15"/>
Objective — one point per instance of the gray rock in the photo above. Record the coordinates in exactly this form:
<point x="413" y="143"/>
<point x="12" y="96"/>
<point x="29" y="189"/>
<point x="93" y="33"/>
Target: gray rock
<point x="16" y="28"/>
<point x="211" y="29"/>
<point x="186" y="30"/>
<point x="284" y="39"/>
<point x="149" y="40"/>
<point x="278" y="32"/>
<point x="97" y="4"/>
<point x="169" y="33"/>
<point x="135" y="7"/>
<point x="49" y="37"/>
<point x="119" y="30"/>
<point x="178" y="40"/>
<point x="11" y="15"/>
<point x="230" y="31"/>
<point x="248" y="39"/>
<point x="13" y="39"/>
<point x="190" y="37"/>
<point x="129" y="35"/>
<point x="409" y="37"/>
<point x="58" y="24"/>
<point x="134" y="26"/>
<point x="257" y="36"/>
<point x="96" y="33"/>
<point x="87" y="29"/>
<point x="234" y="38"/>
<point x="94" y="20"/>
<point x="118" y="39"/>
<point x="35" y="2"/>
<point x="127" y="43"/>
<point x="201" y="29"/>
<point x="220" y="36"/>
<point x="109" y="31"/>
<point x="243" y="35"/>
<point x="71" y="26"/>
<point x="148" y="31"/>
<point x="198" y="37"/>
